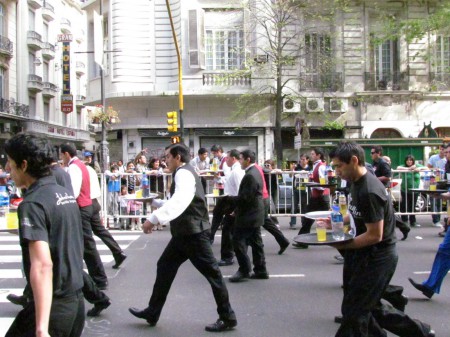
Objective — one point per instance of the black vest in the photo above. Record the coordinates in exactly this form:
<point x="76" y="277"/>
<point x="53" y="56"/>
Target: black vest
<point x="195" y="218"/>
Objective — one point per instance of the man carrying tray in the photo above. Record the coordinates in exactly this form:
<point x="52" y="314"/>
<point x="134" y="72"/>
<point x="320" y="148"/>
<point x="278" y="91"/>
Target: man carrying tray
<point x="371" y="257"/>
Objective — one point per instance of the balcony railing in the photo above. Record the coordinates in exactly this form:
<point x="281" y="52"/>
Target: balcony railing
<point x="439" y="81"/>
<point x="386" y="81"/>
<point x="321" y="82"/>
<point x="6" y="46"/>
<point x="48" y="50"/>
<point x="225" y="79"/>
<point x="49" y="89"/>
<point x="48" y="11"/>
<point x="34" y="40"/>
<point x="14" y="108"/>
<point x="35" y="83"/>
<point x="65" y="26"/>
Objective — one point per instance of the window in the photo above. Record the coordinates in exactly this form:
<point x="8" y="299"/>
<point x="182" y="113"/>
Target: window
<point x="31" y="63"/>
<point x="45" y="72"/>
<point x="32" y="104"/>
<point x="2" y="20"/>
<point x="31" y="20"/>
<point x="46" y="111"/>
<point x="384" y="67"/>
<point x="2" y="82"/>
<point x="45" y="32"/>
<point x="442" y="54"/>
<point x="224" y="43"/>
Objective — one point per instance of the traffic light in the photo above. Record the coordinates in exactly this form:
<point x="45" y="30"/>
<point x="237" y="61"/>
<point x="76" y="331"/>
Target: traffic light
<point x="172" y="121"/>
<point x="175" y="139"/>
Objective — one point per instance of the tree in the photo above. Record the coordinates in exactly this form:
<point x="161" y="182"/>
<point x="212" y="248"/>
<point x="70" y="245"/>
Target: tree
<point x="281" y="43"/>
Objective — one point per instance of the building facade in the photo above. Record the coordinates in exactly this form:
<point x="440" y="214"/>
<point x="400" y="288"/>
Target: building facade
<point x="37" y="68"/>
<point x="339" y="75"/>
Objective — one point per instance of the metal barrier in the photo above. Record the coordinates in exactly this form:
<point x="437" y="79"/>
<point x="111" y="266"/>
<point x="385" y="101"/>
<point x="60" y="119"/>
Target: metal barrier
<point x="283" y="197"/>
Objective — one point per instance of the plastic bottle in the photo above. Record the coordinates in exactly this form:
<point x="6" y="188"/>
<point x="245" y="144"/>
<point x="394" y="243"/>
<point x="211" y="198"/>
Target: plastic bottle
<point x="343" y="204"/>
<point x="337" y="224"/>
<point x="145" y="186"/>
<point x="4" y="206"/>
<point x="426" y="181"/>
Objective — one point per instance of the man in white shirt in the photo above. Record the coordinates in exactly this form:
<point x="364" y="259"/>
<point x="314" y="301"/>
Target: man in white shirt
<point x="187" y="213"/>
<point x="225" y="206"/>
<point x="437" y="160"/>
<point x="200" y="163"/>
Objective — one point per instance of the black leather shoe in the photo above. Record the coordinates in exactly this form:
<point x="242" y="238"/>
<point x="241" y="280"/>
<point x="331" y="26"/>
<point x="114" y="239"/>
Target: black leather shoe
<point x="119" y="258"/>
<point x="98" y="308"/>
<point x="102" y="286"/>
<point x="405" y="233"/>
<point x="338" y="319"/>
<point x="259" y="276"/>
<point x="400" y="302"/>
<point x="221" y="325"/>
<point x="425" y="290"/>
<point x="239" y="277"/>
<point x="283" y="248"/>
<point x="143" y="314"/>
<point x="17" y="300"/>
<point x="226" y="262"/>
<point x="300" y="245"/>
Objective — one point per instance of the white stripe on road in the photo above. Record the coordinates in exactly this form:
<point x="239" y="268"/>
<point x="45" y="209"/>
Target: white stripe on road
<point x="5" y="292"/>
<point x="18" y="259"/>
<point x="5" y="323"/>
<point x="126" y="237"/>
<point x="276" y="276"/>
<point x="11" y="273"/>
<point x="99" y="247"/>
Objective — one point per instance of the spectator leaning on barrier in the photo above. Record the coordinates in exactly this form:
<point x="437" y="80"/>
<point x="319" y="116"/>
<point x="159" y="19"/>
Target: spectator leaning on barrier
<point x="437" y="160"/>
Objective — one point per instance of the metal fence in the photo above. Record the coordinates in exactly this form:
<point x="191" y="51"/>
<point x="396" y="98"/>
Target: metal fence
<point x="282" y="189"/>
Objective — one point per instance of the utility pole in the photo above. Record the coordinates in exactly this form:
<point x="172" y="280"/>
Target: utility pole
<point x="104" y="151"/>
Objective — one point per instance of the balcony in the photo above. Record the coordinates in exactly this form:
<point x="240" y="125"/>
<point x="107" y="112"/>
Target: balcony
<point x="49" y="90"/>
<point x="66" y="26"/>
<point x="36" y="4"/>
<point x="80" y="100"/>
<point x="35" y="83"/>
<point x="34" y="40"/>
<point x="227" y="80"/>
<point x="80" y="68"/>
<point x="48" y="51"/>
<point x="14" y="108"/>
<point x="386" y="81"/>
<point x="6" y="46"/>
<point x="439" y="81"/>
<point x="321" y="82"/>
<point x="48" y="11"/>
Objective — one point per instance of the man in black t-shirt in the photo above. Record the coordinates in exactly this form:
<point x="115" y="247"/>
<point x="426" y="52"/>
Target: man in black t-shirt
<point x="371" y="257"/>
<point x="380" y="166"/>
<point x="51" y="241"/>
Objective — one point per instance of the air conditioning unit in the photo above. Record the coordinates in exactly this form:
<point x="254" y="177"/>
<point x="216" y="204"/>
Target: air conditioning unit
<point x="262" y="58"/>
<point x="314" y="104"/>
<point x="6" y="127"/>
<point x="338" y="105"/>
<point x="290" y="106"/>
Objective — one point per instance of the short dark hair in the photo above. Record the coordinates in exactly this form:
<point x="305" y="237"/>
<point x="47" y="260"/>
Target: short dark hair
<point x="249" y="154"/>
<point x="378" y="149"/>
<point x="319" y="151"/>
<point x="410" y="156"/>
<point x="69" y="148"/>
<point x="36" y="150"/>
<point x="180" y="149"/>
<point x="216" y="148"/>
<point x="202" y="150"/>
<point x="233" y="153"/>
<point x="344" y="151"/>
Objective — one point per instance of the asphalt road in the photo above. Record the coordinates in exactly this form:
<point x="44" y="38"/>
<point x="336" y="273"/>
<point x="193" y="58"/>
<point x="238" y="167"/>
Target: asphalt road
<point x="300" y="299"/>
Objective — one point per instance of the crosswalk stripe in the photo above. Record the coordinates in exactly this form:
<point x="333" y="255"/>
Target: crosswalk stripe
<point x="5" y="323"/>
<point x="11" y="273"/>
<point x="17" y="247"/>
<point x="5" y="292"/>
<point x="125" y="237"/>
<point x="18" y="259"/>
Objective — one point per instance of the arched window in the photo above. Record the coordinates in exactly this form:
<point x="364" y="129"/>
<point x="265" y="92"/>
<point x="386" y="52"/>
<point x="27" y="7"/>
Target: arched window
<point x="386" y="133"/>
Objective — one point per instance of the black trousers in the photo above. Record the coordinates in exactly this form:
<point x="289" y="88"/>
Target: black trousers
<point x="90" y="291"/>
<point x="226" y="243"/>
<point x="224" y="206"/>
<point x="66" y="318"/>
<point x="366" y="277"/>
<point x="244" y="237"/>
<point x="197" y="249"/>
<point x="270" y="226"/>
<point x="315" y="204"/>
<point x="91" y="256"/>
<point x="100" y="230"/>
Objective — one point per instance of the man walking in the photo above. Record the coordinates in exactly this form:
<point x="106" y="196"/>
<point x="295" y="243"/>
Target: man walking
<point x="51" y="241"/>
<point x="250" y="214"/>
<point x="81" y="187"/>
<point x="371" y="257"/>
<point x="187" y="213"/>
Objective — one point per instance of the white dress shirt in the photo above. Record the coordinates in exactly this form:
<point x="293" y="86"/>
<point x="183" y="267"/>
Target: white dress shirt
<point x="179" y="201"/>
<point x="233" y="180"/>
<point x="76" y="177"/>
<point x="96" y="192"/>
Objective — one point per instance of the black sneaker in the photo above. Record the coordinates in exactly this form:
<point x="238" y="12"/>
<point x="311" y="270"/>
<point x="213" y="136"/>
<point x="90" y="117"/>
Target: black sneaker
<point x="98" y="308"/>
<point x="221" y="325"/>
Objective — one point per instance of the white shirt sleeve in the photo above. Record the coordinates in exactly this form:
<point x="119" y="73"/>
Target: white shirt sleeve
<point x="76" y="177"/>
<point x="234" y="181"/>
<point x="180" y="200"/>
